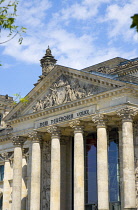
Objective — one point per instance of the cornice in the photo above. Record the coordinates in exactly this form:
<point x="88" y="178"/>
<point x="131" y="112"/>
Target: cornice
<point x="129" y="67"/>
<point x="50" y="78"/>
<point x="5" y="138"/>
<point x="80" y="102"/>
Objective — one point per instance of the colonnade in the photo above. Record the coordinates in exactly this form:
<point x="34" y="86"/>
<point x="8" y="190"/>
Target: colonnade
<point x="126" y="115"/>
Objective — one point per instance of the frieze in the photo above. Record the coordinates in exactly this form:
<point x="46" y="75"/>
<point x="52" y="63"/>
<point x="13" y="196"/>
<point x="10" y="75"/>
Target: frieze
<point x="66" y="117"/>
<point x="66" y="90"/>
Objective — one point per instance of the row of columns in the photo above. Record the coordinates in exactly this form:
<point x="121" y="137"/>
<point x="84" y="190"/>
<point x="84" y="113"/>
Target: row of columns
<point x="102" y="165"/>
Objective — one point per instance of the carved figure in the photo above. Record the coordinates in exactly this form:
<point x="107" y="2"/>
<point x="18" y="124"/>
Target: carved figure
<point x="66" y="90"/>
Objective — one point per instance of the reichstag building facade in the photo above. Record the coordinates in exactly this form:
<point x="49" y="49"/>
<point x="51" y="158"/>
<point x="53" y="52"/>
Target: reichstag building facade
<point x="73" y="145"/>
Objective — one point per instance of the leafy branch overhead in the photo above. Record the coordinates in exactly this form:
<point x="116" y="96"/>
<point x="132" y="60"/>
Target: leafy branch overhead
<point x="134" y="22"/>
<point x="8" y="15"/>
<point x="18" y="98"/>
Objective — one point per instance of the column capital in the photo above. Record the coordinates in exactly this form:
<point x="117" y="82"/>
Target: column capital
<point x="127" y="113"/>
<point x="54" y="131"/>
<point x="18" y="141"/>
<point x="6" y="156"/>
<point x="76" y="125"/>
<point x="99" y="120"/>
<point x="35" y="136"/>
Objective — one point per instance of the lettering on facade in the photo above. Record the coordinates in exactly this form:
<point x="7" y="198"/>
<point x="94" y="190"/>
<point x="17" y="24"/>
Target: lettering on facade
<point x="65" y="118"/>
<point x="82" y="113"/>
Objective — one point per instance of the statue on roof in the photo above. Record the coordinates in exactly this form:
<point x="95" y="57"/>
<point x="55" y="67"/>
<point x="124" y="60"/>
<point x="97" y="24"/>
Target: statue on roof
<point x="47" y="62"/>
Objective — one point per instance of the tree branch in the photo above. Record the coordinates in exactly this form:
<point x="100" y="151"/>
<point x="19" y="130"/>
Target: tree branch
<point x="9" y="39"/>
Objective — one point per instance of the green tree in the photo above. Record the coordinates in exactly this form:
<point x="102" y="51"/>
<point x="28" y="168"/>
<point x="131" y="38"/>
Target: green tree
<point x="134" y="22"/>
<point x="8" y="15"/>
<point x="18" y="98"/>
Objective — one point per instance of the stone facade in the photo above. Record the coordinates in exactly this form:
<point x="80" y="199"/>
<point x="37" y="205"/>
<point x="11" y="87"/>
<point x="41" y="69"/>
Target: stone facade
<point x="46" y="144"/>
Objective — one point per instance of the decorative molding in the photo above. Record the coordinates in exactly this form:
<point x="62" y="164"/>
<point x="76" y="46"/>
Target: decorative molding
<point x="99" y="120"/>
<point x="83" y="101"/>
<point x="54" y="131"/>
<point x="6" y="156"/>
<point x="127" y="114"/>
<point x="77" y="126"/>
<point x="5" y="137"/>
<point x="35" y="136"/>
<point x="18" y="141"/>
<point x="65" y="90"/>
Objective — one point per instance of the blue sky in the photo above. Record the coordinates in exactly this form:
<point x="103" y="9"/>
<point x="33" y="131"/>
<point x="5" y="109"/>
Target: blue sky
<point x="79" y="33"/>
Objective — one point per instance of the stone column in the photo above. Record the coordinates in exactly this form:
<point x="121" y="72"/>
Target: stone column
<point x="102" y="162"/>
<point x="78" y="165"/>
<point x="35" y="171"/>
<point x="121" y="165"/>
<point x="128" y="157"/>
<point x="17" y="173"/>
<point x="55" y="168"/>
<point x="6" y="184"/>
<point x="24" y="180"/>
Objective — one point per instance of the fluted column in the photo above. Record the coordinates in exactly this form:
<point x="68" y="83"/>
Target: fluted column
<point x="17" y="173"/>
<point x="6" y="184"/>
<point x="102" y="163"/>
<point x="121" y="164"/>
<point x="78" y="165"/>
<point x="35" y="171"/>
<point x="24" y="181"/>
<point x="128" y="157"/>
<point x="55" y="168"/>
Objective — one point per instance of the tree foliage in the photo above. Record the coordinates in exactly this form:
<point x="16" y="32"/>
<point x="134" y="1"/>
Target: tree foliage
<point x="8" y="15"/>
<point x="134" y="22"/>
<point x="18" y="98"/>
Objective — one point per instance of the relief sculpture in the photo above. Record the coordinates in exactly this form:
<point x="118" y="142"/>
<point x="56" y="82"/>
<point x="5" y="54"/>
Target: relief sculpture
<point x="46" y="158"/>
<point x="65" y="90"/>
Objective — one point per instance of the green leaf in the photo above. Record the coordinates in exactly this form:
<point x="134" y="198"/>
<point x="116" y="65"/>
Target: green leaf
<point x="134" y="22"/>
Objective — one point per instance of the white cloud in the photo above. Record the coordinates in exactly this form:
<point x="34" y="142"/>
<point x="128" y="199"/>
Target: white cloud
<point x="119" y="19"/>
<point x="75" y="48"/>
<point x="82" y="11"/>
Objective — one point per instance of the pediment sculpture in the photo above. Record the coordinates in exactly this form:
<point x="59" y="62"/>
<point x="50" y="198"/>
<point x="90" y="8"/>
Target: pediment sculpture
<point x="65" y="90"/>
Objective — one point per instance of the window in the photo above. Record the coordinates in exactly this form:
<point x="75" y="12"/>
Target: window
<point x="1" y="172"/>
<point x="91" y="197"/>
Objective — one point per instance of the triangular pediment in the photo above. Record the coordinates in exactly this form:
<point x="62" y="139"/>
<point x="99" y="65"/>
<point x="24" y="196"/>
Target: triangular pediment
<point x="61" y="86"/>
<point x="66" y="89"/>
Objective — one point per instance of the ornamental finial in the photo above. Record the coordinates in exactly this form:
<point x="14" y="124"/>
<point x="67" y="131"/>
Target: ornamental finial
<point x="47" y="62"/>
